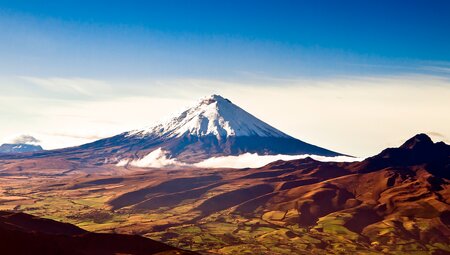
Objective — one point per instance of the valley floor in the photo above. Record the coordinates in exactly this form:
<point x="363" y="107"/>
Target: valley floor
<point x="246" y="211"/>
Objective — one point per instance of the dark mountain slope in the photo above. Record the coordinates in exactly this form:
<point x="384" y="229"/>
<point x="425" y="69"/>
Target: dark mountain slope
<point x="24" y="234"/>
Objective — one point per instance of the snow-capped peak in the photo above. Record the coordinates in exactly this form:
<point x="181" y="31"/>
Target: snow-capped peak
<point x="212" y="115"/>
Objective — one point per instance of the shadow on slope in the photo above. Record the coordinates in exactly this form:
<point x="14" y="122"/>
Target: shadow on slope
<point x="24" y="234"/>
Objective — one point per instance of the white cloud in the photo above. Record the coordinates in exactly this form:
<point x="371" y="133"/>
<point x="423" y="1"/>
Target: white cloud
<point x="22" y="139"/>
<point x="254" y="160"/>
<point x="157" y="159"/>
<point x="27" y="139"/>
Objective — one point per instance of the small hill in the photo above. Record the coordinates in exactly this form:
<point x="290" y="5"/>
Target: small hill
<point x="25" y="234"/>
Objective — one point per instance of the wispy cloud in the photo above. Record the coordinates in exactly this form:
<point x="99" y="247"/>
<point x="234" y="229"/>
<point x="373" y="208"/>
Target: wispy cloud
<point x="26" y="139"/>
<point x="437" y="69"/>
<point x="76" y="136"/>
<point x="76" y="86"/>
<point x="438" y="136"/>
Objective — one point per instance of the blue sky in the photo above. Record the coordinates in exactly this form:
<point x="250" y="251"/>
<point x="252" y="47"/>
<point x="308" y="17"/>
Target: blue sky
<point x="223" y="38"/>
<point x="58" y="57"/>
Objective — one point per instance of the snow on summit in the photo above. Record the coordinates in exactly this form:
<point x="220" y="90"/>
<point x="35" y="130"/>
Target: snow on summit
<point x="213" y="115"/>
<point x="213" y="133"/>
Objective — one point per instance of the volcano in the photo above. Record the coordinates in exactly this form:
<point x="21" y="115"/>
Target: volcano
<point x="213" y="127"/>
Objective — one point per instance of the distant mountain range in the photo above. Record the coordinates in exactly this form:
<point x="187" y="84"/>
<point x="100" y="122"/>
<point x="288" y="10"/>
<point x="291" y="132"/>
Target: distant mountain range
<point x="213" y="127"/>
<point x="19" y="148"/>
